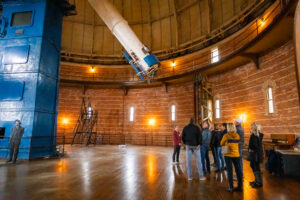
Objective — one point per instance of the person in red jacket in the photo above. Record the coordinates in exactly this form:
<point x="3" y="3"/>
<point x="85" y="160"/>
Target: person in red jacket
<point x="176" y="144"/>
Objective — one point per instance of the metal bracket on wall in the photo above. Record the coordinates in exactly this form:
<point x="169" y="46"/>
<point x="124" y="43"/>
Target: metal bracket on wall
<point x="84" y="89"/>
<point x="166" y="87"/>
<point x="253" y="57"/>
<point x="125" y="89"/>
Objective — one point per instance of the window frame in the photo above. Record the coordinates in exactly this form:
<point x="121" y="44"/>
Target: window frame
<point x="270" y="99"/>
<point x="21" y="26"/>
<point x="131" y="113"/>
<point x="217" y="109"/>
<point x="173" y="113"/>
<point x="215" y="58"/>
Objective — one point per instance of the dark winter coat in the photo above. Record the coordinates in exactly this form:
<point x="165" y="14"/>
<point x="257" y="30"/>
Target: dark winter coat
<point x="191" y="135"/>
<point x="216" y="138"/>
<point x="255" y="145"/>
<point x="213" y="139"/>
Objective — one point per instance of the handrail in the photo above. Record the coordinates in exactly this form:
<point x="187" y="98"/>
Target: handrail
<point x="230" y="46"/>
<point x="134" y="139"/>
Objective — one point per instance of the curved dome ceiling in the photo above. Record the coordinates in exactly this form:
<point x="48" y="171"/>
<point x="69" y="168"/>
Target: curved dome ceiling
<point x="165" y="26"/>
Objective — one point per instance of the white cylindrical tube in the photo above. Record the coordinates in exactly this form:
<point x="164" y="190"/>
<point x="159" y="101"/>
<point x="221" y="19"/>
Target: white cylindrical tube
<point x="121" y="30"/>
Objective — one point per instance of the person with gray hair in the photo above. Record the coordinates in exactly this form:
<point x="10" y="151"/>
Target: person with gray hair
<point x="206" y="139"/>
<point x="15" y="139"/>
<point x="241" y="132"/>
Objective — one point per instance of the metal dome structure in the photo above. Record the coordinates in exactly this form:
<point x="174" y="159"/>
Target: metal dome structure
<point x="180" y="33"/>
<point x="168" y="27"/>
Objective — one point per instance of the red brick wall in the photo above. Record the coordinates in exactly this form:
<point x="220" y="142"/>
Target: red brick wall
<point x="113" y="108"/>
<point x="241" y="92"/>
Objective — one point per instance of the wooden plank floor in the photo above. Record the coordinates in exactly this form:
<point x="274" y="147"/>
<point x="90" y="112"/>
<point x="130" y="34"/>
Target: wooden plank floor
<point x="136" y="172"/>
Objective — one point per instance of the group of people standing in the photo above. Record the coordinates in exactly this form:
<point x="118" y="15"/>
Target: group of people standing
<point x="226" y="141"/>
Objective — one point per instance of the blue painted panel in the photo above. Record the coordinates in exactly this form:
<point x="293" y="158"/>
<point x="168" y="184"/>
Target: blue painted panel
<point x="33" y="62"/>
<point x="44" y="133"/>
<point x="3" y="24"/>
<point x="50" y="58"/>
<point x="15" y="55"/>
<point x="46" y="94"/>
<point x="53" y="26"/>
<point x="151" y="60"/>
<point x="35" y="28"/>
<point x="11" y="91"/>
<point x="29" y="93"/>
<point x="38" y="108"/>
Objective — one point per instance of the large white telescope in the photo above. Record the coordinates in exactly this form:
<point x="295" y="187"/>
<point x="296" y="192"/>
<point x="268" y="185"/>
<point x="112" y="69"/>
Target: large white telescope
<point x="138" y="55"/>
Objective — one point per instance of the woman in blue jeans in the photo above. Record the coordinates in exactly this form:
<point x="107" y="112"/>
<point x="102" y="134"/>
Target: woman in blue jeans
<point x="220" y="158"/>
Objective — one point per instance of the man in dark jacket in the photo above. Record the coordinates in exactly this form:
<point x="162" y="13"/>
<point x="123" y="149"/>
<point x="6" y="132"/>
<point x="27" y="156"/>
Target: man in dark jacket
<point x="191" y="137"/>
<point x="15" y="138"/>
<point x="240" y="131"/>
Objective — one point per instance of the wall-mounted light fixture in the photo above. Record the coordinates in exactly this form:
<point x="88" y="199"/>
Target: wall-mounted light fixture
<point x="173" y="64"/>
<point x="92" y="69"/>
<point x="262" y="21"/>
<point x="151" y="122"/>
<point x="65" y="121"/>
<point x="243" y="117"/>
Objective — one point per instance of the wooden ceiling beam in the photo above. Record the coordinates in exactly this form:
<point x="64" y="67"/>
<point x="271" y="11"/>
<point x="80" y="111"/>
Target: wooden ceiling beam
<point x="176" y="23"/>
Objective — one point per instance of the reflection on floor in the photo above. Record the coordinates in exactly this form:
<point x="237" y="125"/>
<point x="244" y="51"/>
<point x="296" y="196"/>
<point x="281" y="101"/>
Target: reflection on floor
<point x="135" y="172"/>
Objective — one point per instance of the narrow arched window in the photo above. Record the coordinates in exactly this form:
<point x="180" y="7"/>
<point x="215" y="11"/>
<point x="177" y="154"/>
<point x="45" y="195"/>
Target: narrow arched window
<point x="214" y="55"/>
<point x="131" y="114"/>
<point x="270" y="100"/>
<point x="217" y="108"/>
<point x="173" y="112"/>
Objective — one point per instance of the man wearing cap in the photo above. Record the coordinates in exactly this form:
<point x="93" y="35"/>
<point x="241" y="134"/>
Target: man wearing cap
<point x="240" y="131"/>
<point x="15" y="138"/>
